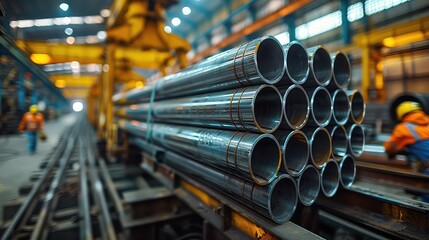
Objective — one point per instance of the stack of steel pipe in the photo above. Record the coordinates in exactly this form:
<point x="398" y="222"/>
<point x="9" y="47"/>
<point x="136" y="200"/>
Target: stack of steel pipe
<point x="274" y="120"/>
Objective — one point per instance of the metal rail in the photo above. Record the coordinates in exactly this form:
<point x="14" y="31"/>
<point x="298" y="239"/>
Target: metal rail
<point x="85" y="210"/>
<point x="27" y="207"/>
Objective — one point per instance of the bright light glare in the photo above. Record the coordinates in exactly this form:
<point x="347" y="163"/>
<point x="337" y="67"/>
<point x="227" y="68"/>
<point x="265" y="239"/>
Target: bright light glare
<point x="283" y="38"/>
<point x="77" y="106"/>
<point x="70" y="40"/>
<point x="176" y="21"/>
<point x="167" y="29"/>
<point x="186" y="10"/>
<point x="105" y="13"/>
<point x="64" y="7"/>
<point x="68" y="31"/>
<point x="101" y="35"/>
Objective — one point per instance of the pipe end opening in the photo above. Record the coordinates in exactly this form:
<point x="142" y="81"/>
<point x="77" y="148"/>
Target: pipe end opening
<point x="321" y="147"/>
<point x="265" y="159"/>
<point x="268" y="109"/>
<point x="330" y="179"/>
<point x="297" y="63"/>
<point x="321" y="107"/>
<point x="348" y="171"/>
<point x="322" y="66"/>
<point x="270" y="60"/>
<point x="296" y="107"/>
<point x="341" y="70"/>
<point x="295" y="153"/>
<point x="309" y="186"/>
<point x="283" y="199"/>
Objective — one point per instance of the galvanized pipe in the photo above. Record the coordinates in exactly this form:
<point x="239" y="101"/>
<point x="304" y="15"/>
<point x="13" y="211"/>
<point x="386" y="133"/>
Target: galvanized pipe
<point x="356" y="139"/>
<point x="296" y="107"/>
<point x="320" y="64"/>
<point x="276" y="201"/>
<point x="357" y="106"/>
<point x="320" y="107"/>
<point x="256" y="109"/>
<point x="254" y="156"/>
<point x="260" y="61"/>
<point x="308" y="185"/>
<point x="294" y="146"/>
<point x="339" y="141"/>
<point x="341" y="71"/>
<point x="330" y="179"/>
<point x="340" y="107"/>
<point x="347" y="171"/>
<point x="320" y="147"/>
<point x="296" y="70"/>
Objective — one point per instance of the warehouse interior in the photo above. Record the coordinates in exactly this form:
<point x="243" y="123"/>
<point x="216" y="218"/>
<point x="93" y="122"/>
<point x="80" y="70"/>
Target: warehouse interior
<point x="221" y="119"/>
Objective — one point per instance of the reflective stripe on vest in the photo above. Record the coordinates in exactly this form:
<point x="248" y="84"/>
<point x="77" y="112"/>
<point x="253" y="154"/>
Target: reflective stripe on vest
<point x="412" y="128"/>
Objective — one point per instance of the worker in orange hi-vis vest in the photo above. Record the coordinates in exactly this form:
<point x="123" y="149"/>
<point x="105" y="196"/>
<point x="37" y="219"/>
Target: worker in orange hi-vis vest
<point x="32" y="122"/>
<point x="411" y="133"/>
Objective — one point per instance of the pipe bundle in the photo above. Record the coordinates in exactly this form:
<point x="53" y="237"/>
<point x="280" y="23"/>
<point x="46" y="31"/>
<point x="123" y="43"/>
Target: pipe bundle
<point x="265" y="123"/>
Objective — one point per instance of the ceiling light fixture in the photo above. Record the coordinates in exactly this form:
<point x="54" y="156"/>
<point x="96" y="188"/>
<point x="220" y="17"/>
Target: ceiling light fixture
<point x="64" y="7"/>
<point x="186" y="10"/>
<point x="105" y="13"/>
<point x="176" y="21"/>
<point x="68" y="31"/>
<point x="102" y="35"/>
<point x="70" y="40"/>
<point x="167" y="29"/>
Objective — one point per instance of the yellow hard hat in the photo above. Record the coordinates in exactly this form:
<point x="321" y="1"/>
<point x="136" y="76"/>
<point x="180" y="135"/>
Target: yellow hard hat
<point x="34" y="109"/>
<point x="406" y="107"/>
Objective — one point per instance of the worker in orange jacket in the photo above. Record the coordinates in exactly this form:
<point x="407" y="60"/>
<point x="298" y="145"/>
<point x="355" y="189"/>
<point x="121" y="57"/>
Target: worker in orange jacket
<point x="411" y="133"/>
<point x="32" y="122"/>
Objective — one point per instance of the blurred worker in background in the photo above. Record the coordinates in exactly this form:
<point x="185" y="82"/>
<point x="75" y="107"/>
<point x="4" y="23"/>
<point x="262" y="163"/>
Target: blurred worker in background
<point x="411" y="133"/>
<point x="32" y="122"/>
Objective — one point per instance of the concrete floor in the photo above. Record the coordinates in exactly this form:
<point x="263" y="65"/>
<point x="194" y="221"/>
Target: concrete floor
<point x="17" y="165"/>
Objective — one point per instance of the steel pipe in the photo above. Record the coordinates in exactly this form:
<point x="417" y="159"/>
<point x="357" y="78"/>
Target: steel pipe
<point x="330" y="179"/>
<point x="320" y="147"/>
<point x="254" y="156"/>
<point x="357" y="106"/>
<point x="356" y="139"/>
<point x="320" y="107"/>
<point x="339" y="141"/>
<point x="341" y="71"/>
<point x="297" y="69"/>
<point x="256" y="109"/>
<point x="340" y="107"/>
<point x="320" y="64"/>
<point x="347" y="171"/>
<point x="294" y="146"/>
<point x="276" y="201"/>
<point x="260" y="61"/>
<point x="296" y="108"/>
<point x="308" y="185"/>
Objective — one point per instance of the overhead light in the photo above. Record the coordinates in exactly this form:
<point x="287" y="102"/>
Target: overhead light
<point x="75" y="65"/>
<point x="43" y="22"/>
<point x="60" y="83"/>
<point x="167" y="29"/>
<point x="64" y="7"/>
<point x="77" y="106"/>
<point x="102" y="35"/>
<point x="105" y="13"/>
<point x="69" y="31"/>
<point x="176" y="21"/>
<point x="70" y="40"/>
<point x="40" y="58"/>
<point x="66" y="20"/>
<point x="186" y="10"/>
<point x="92" y="39"/>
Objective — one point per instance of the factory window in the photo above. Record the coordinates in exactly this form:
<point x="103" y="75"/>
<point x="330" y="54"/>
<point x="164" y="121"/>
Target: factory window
<point x="355" y="12"/>
<point x="375" y="6"/>
<point x="318" y="26"/>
